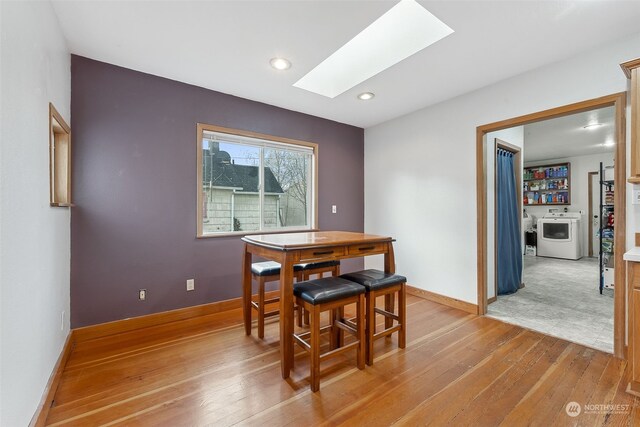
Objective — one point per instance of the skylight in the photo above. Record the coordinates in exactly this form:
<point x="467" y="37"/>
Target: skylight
<point x="405" y="29"/>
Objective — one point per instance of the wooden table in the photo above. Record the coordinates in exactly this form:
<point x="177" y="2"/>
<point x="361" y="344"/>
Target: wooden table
<point x="293" y="248"/>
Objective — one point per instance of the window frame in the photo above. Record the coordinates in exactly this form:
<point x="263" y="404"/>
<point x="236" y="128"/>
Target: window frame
<point x="201" y="129"/>
<point x="59" y="160"/>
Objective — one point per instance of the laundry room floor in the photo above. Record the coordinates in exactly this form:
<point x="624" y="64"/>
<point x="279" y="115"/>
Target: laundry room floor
<point x="561" y="299"/>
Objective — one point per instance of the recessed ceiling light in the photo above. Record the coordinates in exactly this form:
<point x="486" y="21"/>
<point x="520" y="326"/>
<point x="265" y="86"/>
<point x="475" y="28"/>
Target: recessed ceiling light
<point x="366" y="96"/>
<point x="280" y="63"/>
<point x="402" y="31"/>
<point x="592" y="126"/>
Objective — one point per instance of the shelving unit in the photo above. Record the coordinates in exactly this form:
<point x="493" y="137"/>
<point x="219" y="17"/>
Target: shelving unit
<point x="606" y="231"/>
<point x="547" y="185"/>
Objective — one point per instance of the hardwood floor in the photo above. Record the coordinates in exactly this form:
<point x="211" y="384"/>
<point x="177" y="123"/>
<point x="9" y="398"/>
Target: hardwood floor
<point x="458" y="369"/>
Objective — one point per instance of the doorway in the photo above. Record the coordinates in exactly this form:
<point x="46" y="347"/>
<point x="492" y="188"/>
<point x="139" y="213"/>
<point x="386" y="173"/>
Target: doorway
<point x="559" y="196"/>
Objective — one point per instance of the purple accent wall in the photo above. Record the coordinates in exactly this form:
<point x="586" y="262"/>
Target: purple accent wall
<point x="134" y="187"/>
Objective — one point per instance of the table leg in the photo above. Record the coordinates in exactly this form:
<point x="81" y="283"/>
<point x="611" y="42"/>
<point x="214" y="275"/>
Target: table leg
<point x="389" y="260"/>
<point x="389" y="267"/>
<point x="246" y="289"/>
<point x="286" y="314"/>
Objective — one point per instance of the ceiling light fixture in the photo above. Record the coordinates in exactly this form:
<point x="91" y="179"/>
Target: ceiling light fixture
<point x="365" y="96"/>
<point x="402" y="31"/>
<point x="592" y="126"/>
<point x="280" y="63"/>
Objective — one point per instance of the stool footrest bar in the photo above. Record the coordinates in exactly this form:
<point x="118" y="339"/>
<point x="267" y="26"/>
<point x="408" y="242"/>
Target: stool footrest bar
<point x="386" y="313"/>
<point x="302" y="342"/>
<point x="338" y="351"/>
<point x="308" y="333"/>
<point x="346" y="327"/>
<point x="387" y="332"/>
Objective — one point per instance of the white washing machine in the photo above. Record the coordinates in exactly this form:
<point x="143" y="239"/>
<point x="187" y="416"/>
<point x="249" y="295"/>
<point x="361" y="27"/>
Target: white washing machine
<point x="559" y="235"/>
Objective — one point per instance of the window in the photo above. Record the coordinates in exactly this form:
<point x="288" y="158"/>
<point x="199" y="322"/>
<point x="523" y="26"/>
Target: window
<point x="251" y="183"/>
<point x="59" y="159"/>
<point x="556" y="231"/>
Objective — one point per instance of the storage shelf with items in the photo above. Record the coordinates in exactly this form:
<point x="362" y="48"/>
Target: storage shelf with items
<point x="547" y="184"/>
<point x="606" y="232"/>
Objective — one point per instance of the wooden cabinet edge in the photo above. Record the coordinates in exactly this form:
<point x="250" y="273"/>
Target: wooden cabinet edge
<point x="627" y="66"/>
<point x="630" y="69"/>
<point x="632" y="353"/>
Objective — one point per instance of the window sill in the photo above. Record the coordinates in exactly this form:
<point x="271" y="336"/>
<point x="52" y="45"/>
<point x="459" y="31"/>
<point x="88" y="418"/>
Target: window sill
<point x="254" y="233"/>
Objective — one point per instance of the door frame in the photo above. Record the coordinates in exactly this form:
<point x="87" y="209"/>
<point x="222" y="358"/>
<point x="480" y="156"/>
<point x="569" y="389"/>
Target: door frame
<point x="517" y="157"/>
<point x="590" y="190"/>
<point x="617" y="100"/>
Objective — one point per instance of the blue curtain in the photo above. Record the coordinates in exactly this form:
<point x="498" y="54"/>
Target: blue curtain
<point x="509" y="272"/>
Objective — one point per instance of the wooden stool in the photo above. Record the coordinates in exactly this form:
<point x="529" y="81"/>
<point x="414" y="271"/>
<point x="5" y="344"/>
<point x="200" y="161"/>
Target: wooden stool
<point x="269" y="271"/>
<point x="264" y="272"/>
<point x="316" y="268"/>
<point x="311" y="268"/>
<point x="330" y="293"/>
<point x="378" y="283"/>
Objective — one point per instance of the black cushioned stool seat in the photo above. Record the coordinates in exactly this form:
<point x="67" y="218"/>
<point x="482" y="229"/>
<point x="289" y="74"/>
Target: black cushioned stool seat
<point x="328" y="289"/>
<point x="269" y="268"/>
<point x="330" y="294"/>
<point x="317" y="265"/>
<point x="378" y="283"/>
<point x="374" y="279"/>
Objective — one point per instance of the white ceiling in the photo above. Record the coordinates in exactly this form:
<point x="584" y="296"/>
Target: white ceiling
<point x="226" y="45"/>
<point x="567" y="137"/>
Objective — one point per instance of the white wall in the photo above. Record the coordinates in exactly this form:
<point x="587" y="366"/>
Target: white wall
<point x="514" y="136"/>
<point x="34" y="243"/>
<point x="580" y="167"/>
<point x="420" y="168"/>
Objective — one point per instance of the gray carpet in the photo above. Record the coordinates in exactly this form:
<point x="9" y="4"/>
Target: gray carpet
<point x="561" y="298"/>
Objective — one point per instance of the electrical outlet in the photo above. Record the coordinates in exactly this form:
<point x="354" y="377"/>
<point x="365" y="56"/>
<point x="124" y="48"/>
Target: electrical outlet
<point x="636" y="197"/>
<point x="334" y="209"/>
<point x="142" y="294"/>
<point x="190" y="285"/>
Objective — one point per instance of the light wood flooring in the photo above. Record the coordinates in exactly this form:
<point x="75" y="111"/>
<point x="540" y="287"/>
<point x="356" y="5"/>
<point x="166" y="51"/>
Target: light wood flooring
<point x="458" y="369"/>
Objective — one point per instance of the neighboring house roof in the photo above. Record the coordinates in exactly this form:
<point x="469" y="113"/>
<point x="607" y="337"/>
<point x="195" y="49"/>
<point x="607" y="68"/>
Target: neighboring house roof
<point x="217" y="170"/>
